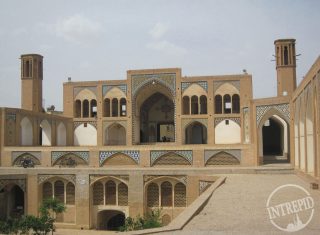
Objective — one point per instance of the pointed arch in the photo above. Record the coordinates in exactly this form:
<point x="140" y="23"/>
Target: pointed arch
<point x="45" y="133"/>
<point x="119" y="159"/>
<point x="166" y="194"/>
<point x="235" y="103"/>
<point x="194" y="105"/>
<point x="203" y="104"/>
<point x="218" y="104"/>
<point x="19" y="159"/>
<point x="153" y="195"/>
<point x="186" y="105"/>
<point x="26" y="132"/>
<point x="85" y="135"/>
<point x="227" y="132"/>
<point x="115" y="134"/>
<point x="310" y="134"/>
<point x="63" y="160"/>
<point x="196" y="133"/>
<point x="171" y="159"/>
<point x="61" y="134"/>
<point x="222" y="158"/>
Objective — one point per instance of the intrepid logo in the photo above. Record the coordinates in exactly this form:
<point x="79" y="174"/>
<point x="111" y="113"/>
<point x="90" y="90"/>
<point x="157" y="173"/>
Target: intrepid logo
<point x="290" y="207"/>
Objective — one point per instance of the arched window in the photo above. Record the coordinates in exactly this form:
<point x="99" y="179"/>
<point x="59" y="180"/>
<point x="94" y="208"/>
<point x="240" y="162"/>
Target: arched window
<point x="77" y="109"/>
<point x="186" y="105"/>
<point x="59" y="191"/>
<point x="203" y="104"/>
<point x="153" y="195"/>
<point x="180" y="195"/>
<point x="227" y="103"/>
<point x="285" y="55"/>
<point x="47" y="190"/>
<point x="111" y="193"/>
<point x="98" y="193"/>
<point x="166" y="194"/>
<point x="194" y="105"/>
<point x="218" y="104"/>
<point x="235" y="104"/>
<point x="114" y="107"/>
<point x="85" y="108"/>
<point x="70" y="194"/>
<point x="123" y="107"/>
<point x="106" y="108"/>
<point x="93" y="108"/>
<point x="122" y="194"/>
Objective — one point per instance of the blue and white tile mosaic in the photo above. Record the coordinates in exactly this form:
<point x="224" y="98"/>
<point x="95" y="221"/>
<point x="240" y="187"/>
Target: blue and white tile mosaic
<point x="104" y="155"/>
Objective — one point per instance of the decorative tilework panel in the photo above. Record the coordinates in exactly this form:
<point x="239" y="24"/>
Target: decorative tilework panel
<point x="104" y="155"/>
<point x="76" y="90"/>
<point x="203" y="84"/>
<point x="284" y="109"/>
<point x="55" y="155"/>
<point x="166" y="79"/>
<point x="234" y="152"/>
<point x="106" y="88"/>
<point x="156" y="154"/>
<point x="217" y="84"/>
<point x="11" y="116"/>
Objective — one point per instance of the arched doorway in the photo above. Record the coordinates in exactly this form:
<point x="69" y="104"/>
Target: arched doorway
<point x="115" y="135"/>
<point x="275" y="140"/>
<point x="196" y="133"/>
<point x="157" y="119"/>
<point x="12" y="202"/>
<point x="110" y="220"/>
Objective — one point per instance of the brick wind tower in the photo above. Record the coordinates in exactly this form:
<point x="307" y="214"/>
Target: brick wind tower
<point x="286" y="66"/>
<point x="31" y="82"/>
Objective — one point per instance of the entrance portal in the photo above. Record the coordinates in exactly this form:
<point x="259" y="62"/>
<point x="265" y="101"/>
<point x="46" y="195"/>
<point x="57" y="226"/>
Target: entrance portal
<point x="11" y="202"/>
<point x="110" y="220"/>
<point x="275" y="142"/>
<point x="157" y="119"/>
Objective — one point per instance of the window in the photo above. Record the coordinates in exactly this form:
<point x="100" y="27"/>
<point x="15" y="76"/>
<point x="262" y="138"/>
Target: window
<point x="85" y="108"/>
<point x="227" y="103"/>
<point x="166" y="194"/>
<point x="218" y="104"/>
<point x="194" y="105"/>
<point x="114" y="107"/>
<point x="186" y="105"/>
<point x="203" y="104"/>
<point x="235" y="104"/>
<point x="122" y="194"/>
<point x="77" y="108"/>
<point x="123" y="107"/>
<point x="93" y="108"/>
<point x="106" y="108"/>
<point x="98" y="193"/>
<point x="153" y="195"/>
<point x="180" y="195"/>
<point x="111" y="193"/>
<point x="62" y="191"/>
<point x="285" y="55"/>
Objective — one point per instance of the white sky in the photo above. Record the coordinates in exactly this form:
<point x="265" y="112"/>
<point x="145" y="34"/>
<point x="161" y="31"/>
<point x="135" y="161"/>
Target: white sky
<point x="101" y="40"/>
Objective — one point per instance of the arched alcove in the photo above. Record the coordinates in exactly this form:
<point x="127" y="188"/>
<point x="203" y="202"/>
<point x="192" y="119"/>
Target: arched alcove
<point x="61" y="135"/>
<point x="227" y="132"/>
<point x="26" y="132"/>
<point x="196" y="133"/>
<point x="85" y="135"/>
<point x="115" y="134"/>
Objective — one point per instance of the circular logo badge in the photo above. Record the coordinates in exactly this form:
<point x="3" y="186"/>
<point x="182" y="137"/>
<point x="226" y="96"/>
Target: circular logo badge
<point x="290" y="207"/>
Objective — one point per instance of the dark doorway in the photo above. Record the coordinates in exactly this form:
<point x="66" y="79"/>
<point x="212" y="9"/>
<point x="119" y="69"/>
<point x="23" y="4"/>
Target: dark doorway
<point x="110" y="220"/>
<point x="11" y="202"/>
<point x="157" y="119"/>
<point x="272" y="134"/>
<point x="196" y="133"/>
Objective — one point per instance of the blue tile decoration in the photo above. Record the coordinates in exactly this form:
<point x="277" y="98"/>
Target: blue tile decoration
<point x="234" y="152"/>
<point x="166" y="79"/>
<point x="55" y="155"/>
<point x="155" y="154"/>
<point x="104" y="155"/>
<point x="284" y="109"/>
<point x="203" y="84"/>
<point x="106" y="88"/>
<point x="11" y="116"/>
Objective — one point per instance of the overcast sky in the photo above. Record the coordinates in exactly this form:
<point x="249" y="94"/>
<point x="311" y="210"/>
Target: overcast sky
<point x="101" y="40"/>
